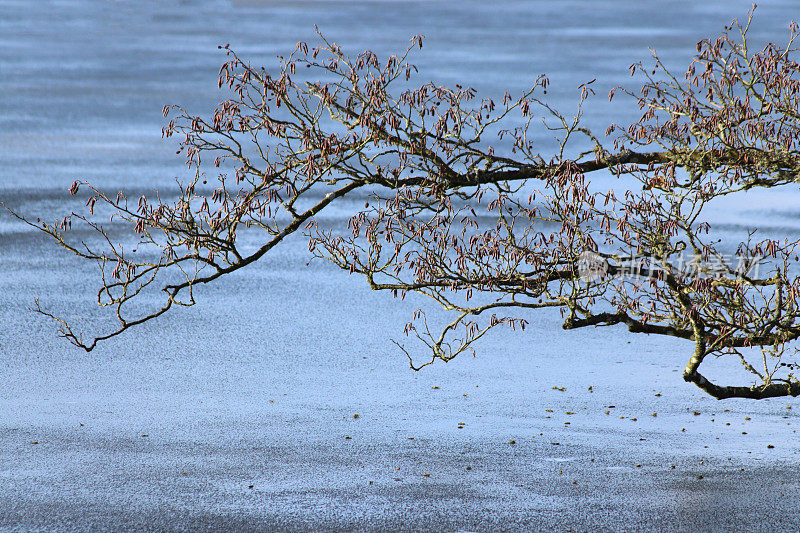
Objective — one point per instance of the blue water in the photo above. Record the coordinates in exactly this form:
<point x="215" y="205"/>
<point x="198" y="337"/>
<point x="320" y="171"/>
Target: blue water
<point x="258" y="384"/>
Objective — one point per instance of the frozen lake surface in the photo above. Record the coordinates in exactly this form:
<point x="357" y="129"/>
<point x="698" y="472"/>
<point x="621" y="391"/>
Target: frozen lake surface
<point x="239" y="413"/>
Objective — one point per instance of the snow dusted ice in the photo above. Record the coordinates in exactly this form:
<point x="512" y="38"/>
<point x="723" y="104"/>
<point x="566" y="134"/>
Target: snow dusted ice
<point x="240" y="413"/>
